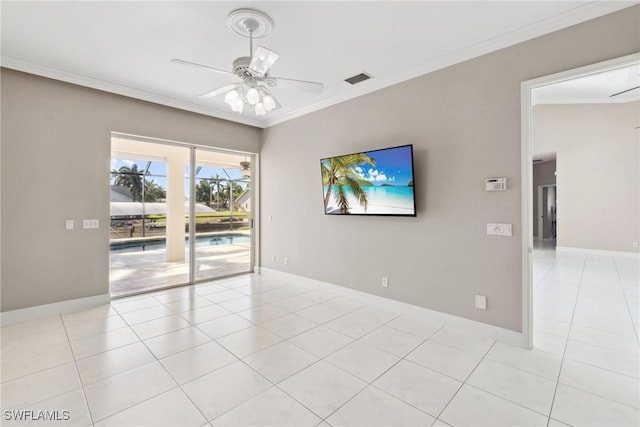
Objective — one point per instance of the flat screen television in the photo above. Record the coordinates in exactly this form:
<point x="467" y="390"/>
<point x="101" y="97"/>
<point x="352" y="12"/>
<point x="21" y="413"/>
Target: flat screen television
<point x="378" y="182"/>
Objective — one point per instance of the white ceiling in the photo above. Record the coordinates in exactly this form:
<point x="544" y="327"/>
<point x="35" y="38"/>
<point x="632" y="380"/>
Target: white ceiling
<point x="126" y="47"/>
<point x="594" y="88"/>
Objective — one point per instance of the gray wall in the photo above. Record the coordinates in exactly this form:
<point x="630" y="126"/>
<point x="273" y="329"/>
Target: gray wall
<point x="55" y="166"/>
<point x="464" y="122"/>
<point x="543" y="174"/>
<point x="598" y="163"/>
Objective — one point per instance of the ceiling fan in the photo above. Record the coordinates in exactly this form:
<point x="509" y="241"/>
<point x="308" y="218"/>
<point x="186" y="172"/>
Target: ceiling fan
<point x="253" y="70"/>
<point x="624" y="91"/>
<point x="631" y="79"/>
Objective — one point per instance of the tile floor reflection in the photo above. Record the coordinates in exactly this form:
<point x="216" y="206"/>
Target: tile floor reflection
<point x="255" y="350"/>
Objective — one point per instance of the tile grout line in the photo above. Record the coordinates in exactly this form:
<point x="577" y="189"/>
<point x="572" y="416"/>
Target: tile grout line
<point x="323" y="419"/>
<point x="254" y="370"/>
<point x="555" y="261"/>
<point x="272" y="386"/>
<point x="130" y="327"/>
<point x="603" y="369"/>
<point x="46" y="369"/>
<point x="465" y="381"/>
<point x="163" y="392"/>
<point x="75" y="364"/>
<point x="566" y="344"/>
<point x="626" y="300"/>
<point x="635" y="408"/>
<point x="371" y="383"/>
<point x="156" y="360"/>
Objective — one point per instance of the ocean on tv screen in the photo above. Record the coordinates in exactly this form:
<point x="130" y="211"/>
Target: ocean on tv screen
<point x="378" y="182"/>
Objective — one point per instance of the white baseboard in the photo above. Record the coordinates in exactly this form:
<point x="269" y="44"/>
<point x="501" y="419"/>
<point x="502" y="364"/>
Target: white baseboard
<point x="583" y="251"/>
<point x="479" y="328"/>
<point x="33" y="313"/>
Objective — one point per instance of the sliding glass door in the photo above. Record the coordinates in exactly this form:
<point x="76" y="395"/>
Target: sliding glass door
<point x="179" y="215"/>
<point x="222" y="214"/>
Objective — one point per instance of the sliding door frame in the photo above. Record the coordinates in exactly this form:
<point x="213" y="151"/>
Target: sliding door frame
<point x="253" y="219"/>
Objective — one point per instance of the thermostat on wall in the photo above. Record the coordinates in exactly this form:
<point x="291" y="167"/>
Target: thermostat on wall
<point x="496" y="184"/>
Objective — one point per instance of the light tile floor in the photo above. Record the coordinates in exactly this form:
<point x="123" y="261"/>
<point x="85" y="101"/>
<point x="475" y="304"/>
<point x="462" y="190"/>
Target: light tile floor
<point x="251" y="350"/>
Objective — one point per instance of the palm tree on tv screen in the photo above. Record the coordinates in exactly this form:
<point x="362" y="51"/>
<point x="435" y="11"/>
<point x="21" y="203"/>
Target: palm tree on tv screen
<point x="341" y="172"/>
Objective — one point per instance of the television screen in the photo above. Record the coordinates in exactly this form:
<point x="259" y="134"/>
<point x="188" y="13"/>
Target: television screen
<point x="378" y="182"/>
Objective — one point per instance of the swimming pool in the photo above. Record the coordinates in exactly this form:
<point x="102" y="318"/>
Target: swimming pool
<point x="201" y="242"/>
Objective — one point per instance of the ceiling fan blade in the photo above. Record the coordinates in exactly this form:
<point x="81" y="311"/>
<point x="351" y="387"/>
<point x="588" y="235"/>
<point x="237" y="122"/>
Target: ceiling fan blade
<point x="206" y="67"/>
<point x="219" y="91"/>
<point x="305" y="86"/>
<point x="262" y="61"/>
<point x="624" y="91"/>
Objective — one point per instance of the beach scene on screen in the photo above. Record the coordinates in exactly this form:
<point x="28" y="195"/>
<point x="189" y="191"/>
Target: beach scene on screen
<point x="376" y="182"/>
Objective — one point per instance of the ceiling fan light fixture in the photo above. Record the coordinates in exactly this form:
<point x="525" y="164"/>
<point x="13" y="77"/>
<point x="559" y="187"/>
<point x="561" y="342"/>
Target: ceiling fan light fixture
<point x="231" y="97"/>
<point x="269" y="102"/>
<point x="253" y="97"/>
<point x="260" y="109"/>
<point x="238" y="106"/>
<point x="253" y="70"/>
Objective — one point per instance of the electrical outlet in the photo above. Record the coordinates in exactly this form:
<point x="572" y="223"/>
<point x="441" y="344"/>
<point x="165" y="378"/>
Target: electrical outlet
<point x="286" y="260"/>
<point x="481" y="302"/>
<point x="635" y="245"/>
<point x="68" y="224"/>
<point x="273" y="259"/>
<point x="385" y="282"/>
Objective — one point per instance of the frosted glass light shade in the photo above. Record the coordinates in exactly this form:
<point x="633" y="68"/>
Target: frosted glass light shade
<point x="260" y="109"/>
<point x="238" y="106"/>
<point x="253" y="96"/>
<point x="269" y="102"/>
<point x="231" y="97"/>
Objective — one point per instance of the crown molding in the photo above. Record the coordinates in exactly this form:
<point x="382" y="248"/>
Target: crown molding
<point x="578" y="15"/>
<point x="567" y="19"/>
<point x="587" y="101"/>
<point x="118" y="89"/>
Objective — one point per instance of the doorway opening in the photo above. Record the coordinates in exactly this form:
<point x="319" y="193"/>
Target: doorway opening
<point x="180" y="214"/>
<point x="546" y="230"/>
<point x="568" y="226"/>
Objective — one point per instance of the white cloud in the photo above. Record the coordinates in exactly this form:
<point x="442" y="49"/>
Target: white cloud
<point x="375" y="175"/>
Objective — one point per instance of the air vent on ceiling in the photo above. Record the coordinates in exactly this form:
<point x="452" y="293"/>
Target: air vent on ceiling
<point x="358" y="78"/>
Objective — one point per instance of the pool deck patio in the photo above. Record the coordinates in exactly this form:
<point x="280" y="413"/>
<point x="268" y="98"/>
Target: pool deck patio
<point x="139" y="271"/>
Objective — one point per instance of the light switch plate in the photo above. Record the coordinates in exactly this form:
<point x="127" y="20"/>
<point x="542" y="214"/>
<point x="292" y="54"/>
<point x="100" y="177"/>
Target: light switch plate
<point x="495" y="229"/>
<point x="90" y="223"/>
<point x="481" y="302"/>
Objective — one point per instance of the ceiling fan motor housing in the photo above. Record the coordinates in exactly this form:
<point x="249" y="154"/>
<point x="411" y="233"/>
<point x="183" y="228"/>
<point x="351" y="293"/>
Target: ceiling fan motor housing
<point x="241" y="67"/>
